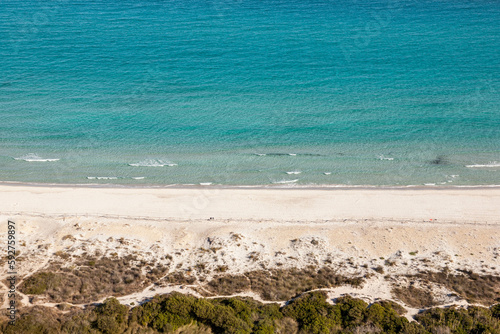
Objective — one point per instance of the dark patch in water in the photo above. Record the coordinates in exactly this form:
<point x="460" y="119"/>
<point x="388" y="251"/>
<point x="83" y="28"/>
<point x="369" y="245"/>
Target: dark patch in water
<point x="440" y="160"/>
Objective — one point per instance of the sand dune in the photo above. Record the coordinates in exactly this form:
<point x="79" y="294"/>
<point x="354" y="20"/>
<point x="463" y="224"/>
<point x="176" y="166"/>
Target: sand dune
<point x="353" y="231"/>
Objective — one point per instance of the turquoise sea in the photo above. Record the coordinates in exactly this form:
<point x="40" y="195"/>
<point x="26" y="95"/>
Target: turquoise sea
<point x="247" y="92"/>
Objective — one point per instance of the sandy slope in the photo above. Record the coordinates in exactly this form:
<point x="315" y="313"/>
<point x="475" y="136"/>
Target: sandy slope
<point x="255" y="228"/>
<point x="346" y="245"/>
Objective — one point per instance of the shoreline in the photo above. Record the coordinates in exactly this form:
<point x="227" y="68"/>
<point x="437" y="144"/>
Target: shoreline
<point x="268" y="186"/>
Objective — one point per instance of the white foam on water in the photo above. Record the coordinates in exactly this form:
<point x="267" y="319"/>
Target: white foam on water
<point x="102" y="178"/>
<point x="451" y="178"/>
<point x="493" y="164"/>
<point x="327" y="173"/>
<point x="294" y="173"/>
<point x="205" y="183"/>
<point x="139" y="177"/>
<point x="381" y="157"/>
<point x="285" y="181"/>
<point x="260" y="154"/>
<point x="32" y="157"/>
<point x="292" y="154"/>
<point x="153" y="163"/>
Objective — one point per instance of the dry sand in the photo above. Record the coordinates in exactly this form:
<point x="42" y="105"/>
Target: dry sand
<point x="451" y="204"/>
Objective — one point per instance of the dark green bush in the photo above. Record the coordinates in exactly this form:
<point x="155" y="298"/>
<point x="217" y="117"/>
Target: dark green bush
<point x="385" y="318"/>
<point x="111" y="317"/>
<point x="307" y="314"/>
<point x="313" y="313"/>
<point x="472" y="320"/>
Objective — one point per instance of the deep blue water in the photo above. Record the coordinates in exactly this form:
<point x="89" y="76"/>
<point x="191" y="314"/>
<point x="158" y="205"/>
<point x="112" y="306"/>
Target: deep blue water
<point x="370" y="92"/>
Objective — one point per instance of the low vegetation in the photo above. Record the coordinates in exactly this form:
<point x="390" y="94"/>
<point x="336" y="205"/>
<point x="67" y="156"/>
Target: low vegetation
<point x="475" y="288"/>
<point x="309" y="313"/>
<point x="279" y="284"/>
<point x="90" y="279"/>
<point x="415" y="297"/>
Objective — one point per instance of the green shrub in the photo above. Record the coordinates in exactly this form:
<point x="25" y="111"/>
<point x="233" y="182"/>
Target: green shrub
<point x="226" y="321"/>
<point x="471" y="320"/>
<point x="313" y="313"/>
<point x="241" y="309"/>
<point x="265" y="326"/>
<point x="351" y="311"/>
<point x="111" y="317"/>
<point x="495" y="311"/>
<point x="203" y="309"/>
<point x="385" y="318"/>
<point x="166" y="313"/>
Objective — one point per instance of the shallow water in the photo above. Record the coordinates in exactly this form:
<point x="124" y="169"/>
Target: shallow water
<point x="250" y="93"/>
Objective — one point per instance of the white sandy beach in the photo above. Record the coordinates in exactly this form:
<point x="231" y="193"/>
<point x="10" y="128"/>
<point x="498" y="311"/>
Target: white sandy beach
<point x="450" y="204"/>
